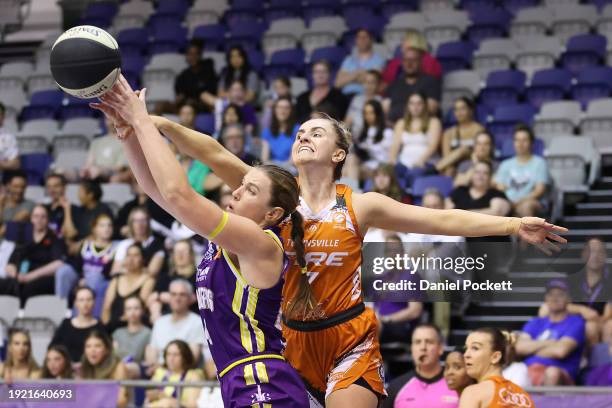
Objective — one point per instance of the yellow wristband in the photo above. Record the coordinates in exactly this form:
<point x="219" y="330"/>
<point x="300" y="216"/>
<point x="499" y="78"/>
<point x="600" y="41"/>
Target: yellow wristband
<point x="219" y="226"/>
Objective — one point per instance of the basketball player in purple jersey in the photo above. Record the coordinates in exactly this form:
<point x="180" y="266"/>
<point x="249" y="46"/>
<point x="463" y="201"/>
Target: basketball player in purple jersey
<point x="239" y="281"/>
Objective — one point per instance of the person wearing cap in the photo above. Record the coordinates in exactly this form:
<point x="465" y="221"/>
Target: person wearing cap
<point x="429" y="64"/>
<point x="553" y="344"/>
<point x="354" y="68"/>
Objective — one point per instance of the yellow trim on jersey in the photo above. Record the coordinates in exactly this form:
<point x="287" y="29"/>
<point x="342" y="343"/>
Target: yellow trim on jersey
<point x="275" y="238"/>
<point x="245" y="336"/>
<point x="251" y="358"/>
<point x="250" y="314"/>
<point x="219" y="226"/>
<point x="249" y="378"/>
<point x="233" y="267"/>
<point x="262" y="374"/>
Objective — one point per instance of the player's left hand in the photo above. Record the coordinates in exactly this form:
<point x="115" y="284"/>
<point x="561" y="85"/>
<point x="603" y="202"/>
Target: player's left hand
<point x="128" y="104"/>
<point x="541" y="234"/>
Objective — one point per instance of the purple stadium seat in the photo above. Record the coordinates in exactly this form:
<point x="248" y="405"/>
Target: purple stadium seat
<point x="333" y="55"/>
<point x="592" y="83"/>
<point x="583" y="51"/>
<point x="243" y="10"/>
<point x="548" y="85"/>
<point x="444" y="184"/>
<point x="353" y="8"/>
<point x="133" y="63"/>
<point x="514" y="6"/>
<point x="245" y="32"/>
<point x="278" y="9"/>
<point x="43" y="105"/>
<point x="133" y="41"/>
<point x="487" y="23"/>
<point x="320" y="8"/>
<point x="102" y="22"/>
<point x="172" y="38"/>
<point x="455" y="55"/>
<point x="175" y="7"/>
<point x="256" y="58"/>
<point x="36" y="165"/>
<point x="105" y="9"/>
<point x="77" y="108"/>
<point x="360" y="19"/>
<point x="507" y="149"/>
<point x="213" y="35"/>
<point x="391" y="7"/>
<point x="600" y="3"/>
<point x="289" y="62"/>
<point x="506" y="118"/>
<point x="503" y="88"/>
<point x="159" y="21"/>
<point x="205" y="123"/>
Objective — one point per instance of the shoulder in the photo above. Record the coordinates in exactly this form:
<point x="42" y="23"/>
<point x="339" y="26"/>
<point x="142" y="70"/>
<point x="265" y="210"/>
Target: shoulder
<point x="193" y="375"/>
<point x="120" y="371"/>
<point x="574" y="319"/>
<point x="479" y="392"/>
<point x="434" y="121"/>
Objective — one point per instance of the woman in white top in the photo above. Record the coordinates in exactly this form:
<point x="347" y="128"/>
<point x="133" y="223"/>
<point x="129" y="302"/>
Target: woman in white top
<point x="416" y="139"/>
<point x="374" y="143"/>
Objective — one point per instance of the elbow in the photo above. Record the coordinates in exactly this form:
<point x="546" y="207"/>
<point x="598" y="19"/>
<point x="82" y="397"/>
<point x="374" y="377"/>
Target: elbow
<point x="175" y="194"/>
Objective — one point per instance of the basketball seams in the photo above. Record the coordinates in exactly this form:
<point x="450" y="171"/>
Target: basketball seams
<point x="84" y="32"/>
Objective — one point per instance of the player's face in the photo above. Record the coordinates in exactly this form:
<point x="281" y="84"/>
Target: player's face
<point x="454" y="371"/>
<point x="174" y="361"/>
<point x="20" y="347"/>
<point x="252" y="198"/>
<point x="426" y="347"/>
<point x="55" y="363"/>
<point x="55" y="188"/>
<point x="95" y="351"/>
<point x="316" y="142"/>
<point x="478" y="355"/>
<point x="84" y="302"/>
<point x="103" y="229"/>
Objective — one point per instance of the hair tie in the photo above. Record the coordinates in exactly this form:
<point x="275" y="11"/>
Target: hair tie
<point x="304" y="269"/>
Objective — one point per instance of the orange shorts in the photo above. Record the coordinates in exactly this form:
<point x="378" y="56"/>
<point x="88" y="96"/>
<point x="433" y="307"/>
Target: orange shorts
<point x="332" y="359"/>
<point x="537" y="371"/>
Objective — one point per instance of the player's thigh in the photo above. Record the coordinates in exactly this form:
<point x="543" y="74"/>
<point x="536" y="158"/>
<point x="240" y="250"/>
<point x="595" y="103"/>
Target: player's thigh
<point x="354" y="396"/>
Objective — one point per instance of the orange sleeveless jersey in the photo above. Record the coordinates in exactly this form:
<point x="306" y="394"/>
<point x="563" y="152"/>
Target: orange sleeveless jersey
<point x="333" y="255"/>
<point x="336" y="357"/>
<point x="509" y="395"/>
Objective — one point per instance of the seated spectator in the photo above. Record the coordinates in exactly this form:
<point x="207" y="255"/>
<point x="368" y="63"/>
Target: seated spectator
<point x="375" y="140"/>
<point x="458" y="140"/>
<point x="279" y="137"/>
<point x="236" y="97"/>
<point x="354" y="68"/>
<point x="187" y="115"/>
<point x="416" y="139"/>
<point x="384" y="182"/>
<point x="133" y="280"/>
<point x="180" y="323"/>
<point x="100" y="362"/>
<point x="57" y="363"/>
<point x="196" y="84"/>
<point x="233" y="139"/>
<point x="9" y="152"/>
<point x="514" y="369"/>
<point x="140" y="232"/>
<point x="160" y="219"/>
<point x="425" y="386"/>
<point x="72" y="332"/>
<point x="397" y="319"/>
<point x="483" y="152"/>
<point x="182" y="265"/>
<point x="32" y="266"/>
<point x="60" y="209"/>
<point x="455" y="373"/>
<point x="91" y="265"/>
<point x="232" y="115"/>
<point x="591" y="292"/>
<point x="238" y="68"/>
<point x="281" y="88"/>
<point x="354" y="114"/>
<point x="178" y="367"/>
<point x="480" y="196"/>
<point x="6" y="250"/>
<point x="414" y="40"/>
<point x="130" y="341"/>
<point x="412" y="80"/>
<point x="19" y="363"/>
<point x="553" y="344"/>
<point x="524" y="177"/>
<point x="106" y="161"/>
<point x="322" y="97"/>
<point x="90" y="194"/>
<point x="485" y="355"/>
<point x="13" y="205"/>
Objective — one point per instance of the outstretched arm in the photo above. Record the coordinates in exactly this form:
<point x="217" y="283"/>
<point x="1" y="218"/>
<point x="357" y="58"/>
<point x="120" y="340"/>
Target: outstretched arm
<point x="236" y="234"/>
<point x="206" y="149"/>
<point x="377" y="210"/>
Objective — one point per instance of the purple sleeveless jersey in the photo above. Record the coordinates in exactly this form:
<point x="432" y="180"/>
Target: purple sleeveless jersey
<point x="243" y="328"/>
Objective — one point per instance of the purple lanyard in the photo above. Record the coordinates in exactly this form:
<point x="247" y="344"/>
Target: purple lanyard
<point x="167" y="378"/>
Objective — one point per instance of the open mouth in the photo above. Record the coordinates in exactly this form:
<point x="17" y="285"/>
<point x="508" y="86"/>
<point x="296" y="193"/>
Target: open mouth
<point x="305" y="148"/>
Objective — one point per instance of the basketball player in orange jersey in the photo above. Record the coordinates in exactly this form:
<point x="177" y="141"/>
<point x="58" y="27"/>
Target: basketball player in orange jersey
<point x="485" y="354"/>
<point x="331" y="336"/>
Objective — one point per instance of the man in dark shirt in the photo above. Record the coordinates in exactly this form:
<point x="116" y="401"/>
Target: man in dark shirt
<point x="197" y="84"/>
<point x="410" y="81"/>
<point x="90" y="194"/>
<point x="233" y="138"/>
<point x="322" y="97"/>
